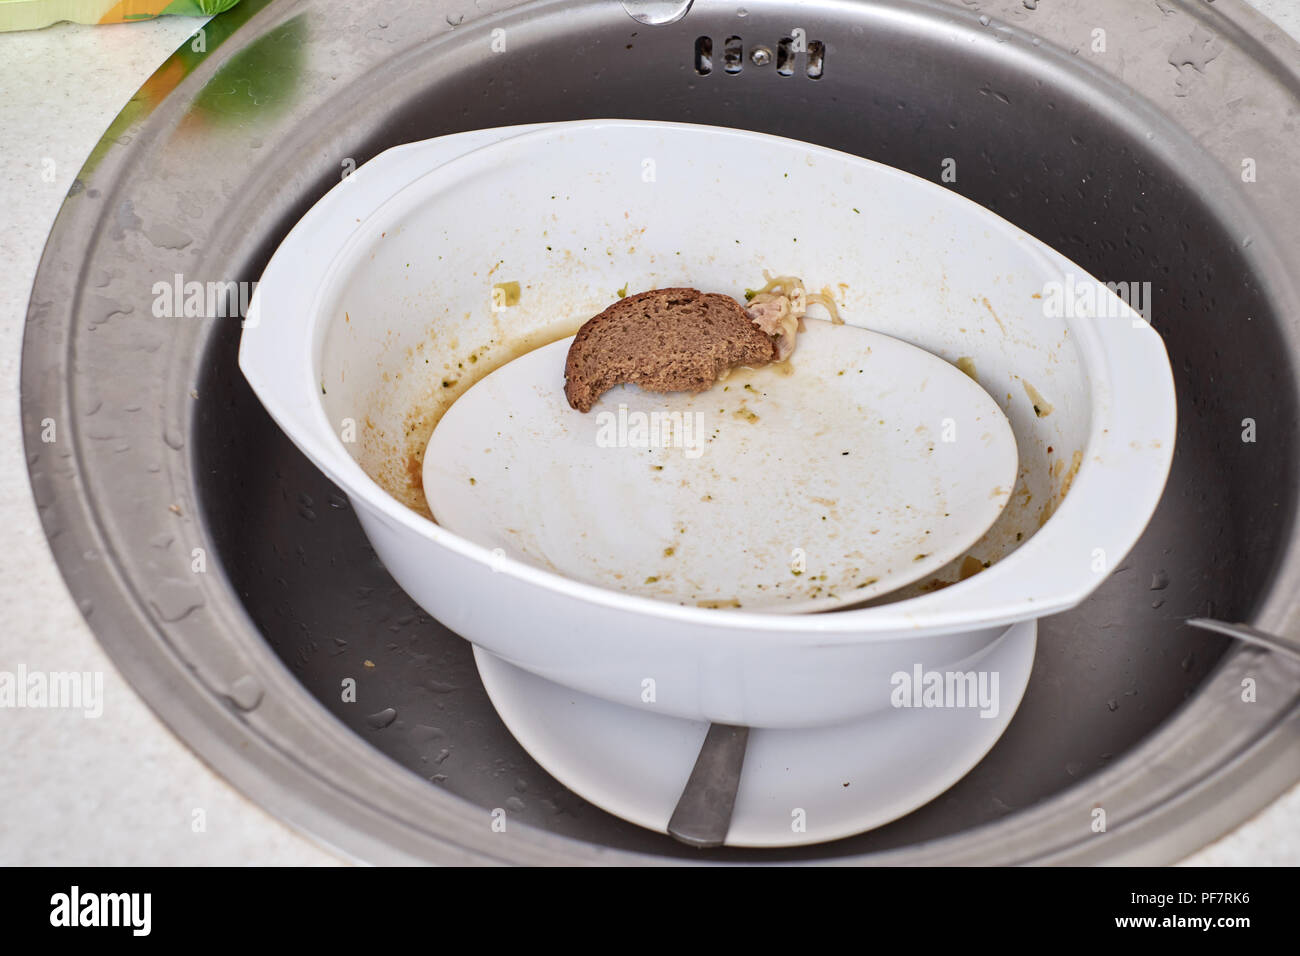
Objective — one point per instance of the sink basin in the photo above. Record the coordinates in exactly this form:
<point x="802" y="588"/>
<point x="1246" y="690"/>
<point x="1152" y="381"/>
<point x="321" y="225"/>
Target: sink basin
<point x="169" y="458"/>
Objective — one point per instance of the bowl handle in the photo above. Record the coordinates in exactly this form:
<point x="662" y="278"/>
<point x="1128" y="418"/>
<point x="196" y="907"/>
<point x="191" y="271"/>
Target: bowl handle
<point x="1112" y="497"/>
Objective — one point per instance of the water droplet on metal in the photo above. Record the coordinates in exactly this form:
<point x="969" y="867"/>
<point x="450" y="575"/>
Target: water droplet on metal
<point x="1191" y="56"/>
<point x="245" y="693"/>
<point x="166" y="236"/>
<point x="426" y="734"/>
<point x="175" y="600"/>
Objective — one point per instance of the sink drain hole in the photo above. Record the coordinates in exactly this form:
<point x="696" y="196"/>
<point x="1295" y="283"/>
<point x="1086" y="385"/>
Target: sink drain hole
<point x="704" y="55"/>
<point x="816" y="59"/>
<point x="733" y="55"/>
<point x="787" y="49"/>
<point x="785" y="57"/>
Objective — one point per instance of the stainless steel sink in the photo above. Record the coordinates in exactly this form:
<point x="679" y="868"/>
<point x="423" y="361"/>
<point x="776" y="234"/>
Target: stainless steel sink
<point x="233" y="587"/>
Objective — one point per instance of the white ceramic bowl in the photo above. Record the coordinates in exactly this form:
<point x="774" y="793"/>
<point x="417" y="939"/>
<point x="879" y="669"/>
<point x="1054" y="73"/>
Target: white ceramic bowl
<point x="379" y="308"/>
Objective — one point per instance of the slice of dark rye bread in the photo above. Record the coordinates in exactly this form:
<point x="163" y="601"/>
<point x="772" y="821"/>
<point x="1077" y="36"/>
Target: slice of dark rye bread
<point x="664" y="340"/>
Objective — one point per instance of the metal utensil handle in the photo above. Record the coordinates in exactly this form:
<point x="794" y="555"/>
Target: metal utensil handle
<point x="1250" y="635"/>
<point x="703" y="812"/>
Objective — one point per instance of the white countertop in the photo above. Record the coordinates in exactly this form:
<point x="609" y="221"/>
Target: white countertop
<point x="121" y="789"/>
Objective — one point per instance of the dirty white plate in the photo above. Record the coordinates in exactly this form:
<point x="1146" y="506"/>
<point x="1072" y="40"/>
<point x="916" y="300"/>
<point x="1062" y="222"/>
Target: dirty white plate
<point x="860" y="465"/>
<point x="797" y="786"/>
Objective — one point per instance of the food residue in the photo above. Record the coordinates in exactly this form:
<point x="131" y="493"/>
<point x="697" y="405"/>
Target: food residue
<point x="970" y="566"/>
<point x="505" y="295"/>
<point x="1041" y="406"/>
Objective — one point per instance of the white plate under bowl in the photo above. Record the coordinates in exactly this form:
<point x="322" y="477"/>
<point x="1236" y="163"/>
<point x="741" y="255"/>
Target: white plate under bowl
<point x="845" y="778"/>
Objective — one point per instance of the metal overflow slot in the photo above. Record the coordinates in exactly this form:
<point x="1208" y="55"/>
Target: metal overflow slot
<point x="787" y="50"/>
